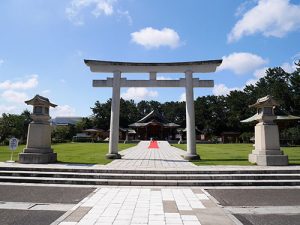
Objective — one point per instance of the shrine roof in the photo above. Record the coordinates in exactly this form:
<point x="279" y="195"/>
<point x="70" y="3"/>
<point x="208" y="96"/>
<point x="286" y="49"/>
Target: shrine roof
<point x="151" y="115"/>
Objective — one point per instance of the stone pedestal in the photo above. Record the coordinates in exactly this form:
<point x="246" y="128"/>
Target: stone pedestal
<point x="267" y="147"/>
<point x="38" y="148"/>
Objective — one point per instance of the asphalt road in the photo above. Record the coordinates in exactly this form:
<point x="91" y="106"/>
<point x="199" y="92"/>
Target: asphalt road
<point x="26" y="217"/>
<point x="42" y="194"/>
<point x="257" y="197"/>
<point x="270" y="219"/>
<point x="260" y="198"/>
<point x="37" y="194"/>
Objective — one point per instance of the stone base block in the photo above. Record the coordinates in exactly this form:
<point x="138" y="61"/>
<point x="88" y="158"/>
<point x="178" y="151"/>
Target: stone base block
<point x="269" y="160"/>
<point x="38" y="150"/>
<point x="252" y="158"/>
<point x="191" y="157"/>
<point x="37" y="158"/>
<point x="113" y="156"/>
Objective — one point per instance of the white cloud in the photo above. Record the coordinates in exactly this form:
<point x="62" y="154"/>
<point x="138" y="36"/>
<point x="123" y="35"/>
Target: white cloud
<point x="182" y="97"/>
<point x="1" y="62"/>
<point x="62" y="110"/>
<point x="163" y="78"/>
<point x="14" y="96"/>
<point x="47" y="91"/>
<point x="242" y="62"/>
<point x="7" y="109"/>
<point x="259" y="73"/>
<point x="153" y="38"/>
<point x="139" y="94"/>
<point x="99" y="7"/>
<point x="22" y="85"/>
<point x="103" y="7"/>
<point x="126" y="15"/>
<point x="288" y="67"/>
<point x="222" y="89"/>
<point x="270" y="17"/>
<point x="243" y="7"/>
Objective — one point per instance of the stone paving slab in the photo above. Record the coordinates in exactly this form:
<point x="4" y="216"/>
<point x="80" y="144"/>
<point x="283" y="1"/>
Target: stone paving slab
<point x="141" y="157"/>
<point x="137" y="205"/>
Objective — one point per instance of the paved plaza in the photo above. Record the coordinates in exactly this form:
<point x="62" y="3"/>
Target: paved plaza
<point x="142" y="157"/>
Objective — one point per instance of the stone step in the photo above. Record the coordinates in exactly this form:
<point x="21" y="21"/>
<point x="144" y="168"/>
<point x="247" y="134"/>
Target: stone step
<point x="126" y="182"/>
<point x="127" y="176"/>
<point x="154" y="171"/>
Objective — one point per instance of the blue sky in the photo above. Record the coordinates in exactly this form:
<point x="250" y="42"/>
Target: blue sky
<point x="43" y="44"/>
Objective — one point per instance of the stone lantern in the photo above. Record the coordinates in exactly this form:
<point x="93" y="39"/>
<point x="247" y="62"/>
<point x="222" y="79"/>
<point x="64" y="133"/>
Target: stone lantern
<point x="38" y="148"/>
<point x="267" y="147"/>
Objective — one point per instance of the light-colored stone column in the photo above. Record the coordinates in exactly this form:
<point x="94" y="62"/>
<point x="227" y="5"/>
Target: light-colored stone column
<point x="190" y="118"/>
<point x="114" y="118"/>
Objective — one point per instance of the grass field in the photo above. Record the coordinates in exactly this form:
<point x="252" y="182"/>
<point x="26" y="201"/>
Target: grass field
<point x="87" y="153"/>
<point x="211" y="154"/>
<point x="234" y="154"/>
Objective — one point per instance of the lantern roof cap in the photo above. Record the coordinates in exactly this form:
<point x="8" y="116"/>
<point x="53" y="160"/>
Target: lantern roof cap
<point x="40" y="100"/>
<point x="265" y="101"/>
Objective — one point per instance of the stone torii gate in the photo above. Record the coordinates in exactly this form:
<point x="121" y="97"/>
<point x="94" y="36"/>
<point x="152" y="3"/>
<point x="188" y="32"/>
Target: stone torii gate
<point x="188" y="68"/>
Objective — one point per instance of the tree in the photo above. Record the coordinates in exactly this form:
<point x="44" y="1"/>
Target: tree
<point x="237" y="109"/>
<point x="143" y="108"/>
<point x="101" y="114"/>
<point x="61" y="134"/>
<point x="128" y="112"/>
<point x="11" y="125"/>
<point x="27" y="121"/>
<point x="295" y="89"/>
<point x="84" y="124"/>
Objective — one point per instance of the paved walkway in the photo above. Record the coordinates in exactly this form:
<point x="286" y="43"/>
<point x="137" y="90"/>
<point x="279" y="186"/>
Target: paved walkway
<point x="142" y="205"/>
<point x="136" y="205"/>
<point x="141" y="157"/>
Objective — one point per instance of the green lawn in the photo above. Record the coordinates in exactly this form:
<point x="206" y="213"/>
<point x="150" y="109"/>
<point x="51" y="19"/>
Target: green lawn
<point x="211" y="154"/>
<point x="89" y="153"/>
<point x="233" y="154"/>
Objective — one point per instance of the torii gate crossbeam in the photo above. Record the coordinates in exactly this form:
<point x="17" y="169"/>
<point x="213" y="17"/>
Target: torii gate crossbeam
<point x="188" y="68"/>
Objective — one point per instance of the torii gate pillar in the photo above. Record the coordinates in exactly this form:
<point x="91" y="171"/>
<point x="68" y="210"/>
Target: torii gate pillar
<point x="152" y="69"/>
<point x="114" y="118"/>
<point x="190" y="118"/>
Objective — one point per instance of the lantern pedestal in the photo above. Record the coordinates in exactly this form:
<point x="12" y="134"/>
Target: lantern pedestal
<point x="267" y="148"/>
<point x="38" y="148"/>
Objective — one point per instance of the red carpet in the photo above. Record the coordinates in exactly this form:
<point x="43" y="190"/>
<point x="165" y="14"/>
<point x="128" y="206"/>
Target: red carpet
<point x="153" y="144"/>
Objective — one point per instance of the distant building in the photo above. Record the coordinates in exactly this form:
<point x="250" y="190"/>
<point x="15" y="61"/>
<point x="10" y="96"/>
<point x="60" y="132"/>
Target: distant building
<point x="65" y="121"/>
<point x="155" y="126"/>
